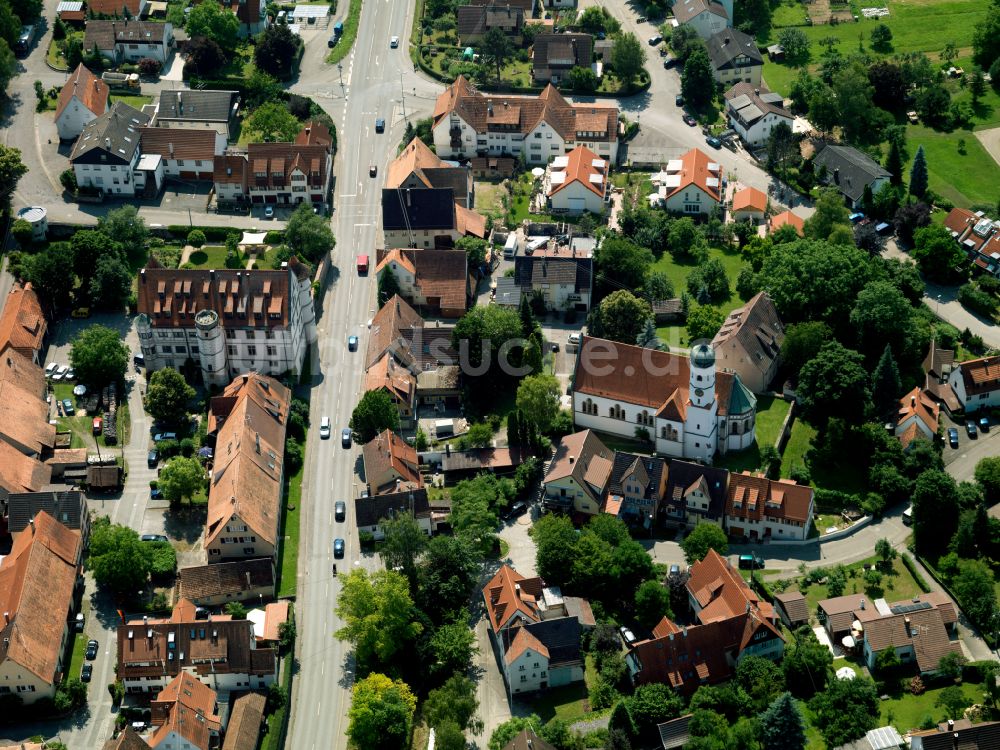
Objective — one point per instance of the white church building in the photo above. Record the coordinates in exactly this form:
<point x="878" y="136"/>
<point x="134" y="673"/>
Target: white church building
<point x="688" y="409"/>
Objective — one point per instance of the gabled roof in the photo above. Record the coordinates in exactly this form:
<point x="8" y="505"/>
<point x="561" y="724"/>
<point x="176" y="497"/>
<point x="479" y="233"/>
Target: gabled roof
<point x="787" y="217"/>
<point x="186" y="706"/>
<point x="749" y="199"/>
<point x="315" y="133"/>
<point x="114" y="134"/>
<point x="89" y="89"/>
<point x="68" y="508"/>
<point x="721" y="592"/>
<point x="724" y="47"/>
<point x="476" y="20"/>
<point x="794" y="604"/>
<point x="695" y="169"/>
<point x="962" y="736"/>
<point x="685" y="10"/>
<point x="237" y="578"/>
<point x="369" y="511"/>
<point x="674" y="733"/>
<point x="550" y="49"/>
<point x="756" y="328"/>
<point x="917" y="403"/>
<point x="106" y="34"/>
<point x="394" y="378"/>
<point x="37" y="580"/>
<point x="438" y="274"/>
<point x="20" y="473"/>
<point x="849" y="170"/>
<point x="523" y="640"/>
<point x="179" y="143"/>
<point x="417" y="209"/>
<point x="245" y="719"/>
<point x="683" y="477"/>
<point x="650" y="469"/>
<point x="249" y="451"/>
<point x="750" y="103"/>
<point x="509" y="592"/>
<point x="271" y="165"/>
<point x="22" y="324"/>
<point x="753" y="496"/>
<point x="555" y="263"/>
<point x="390" y="462"/>
<point x="584" y="457"/>
<point x="127" y="740"/>
<point x="388" y="326"/>
<point x="197" y="105"/>
<point x="417" y="160"/>
<point x="583" y="166"/>
<point x="114" y="8"/>
<point x="980" y="375"/>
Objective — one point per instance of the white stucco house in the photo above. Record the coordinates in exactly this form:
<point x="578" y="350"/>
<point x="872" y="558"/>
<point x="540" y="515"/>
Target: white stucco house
<point x="82" y="100"/>
<point x="578" y="182"/>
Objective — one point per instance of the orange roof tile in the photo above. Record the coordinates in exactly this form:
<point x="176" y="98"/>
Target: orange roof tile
<point x="721" y="592"/>
<point x="186" y="707"/>
<point x="389" y="460"/>
<point x="695" y="171"/>
<point x="788" y="217"/>
<point x="749" y="199"/>
<point x="580" y="168"/>
<point x="22" y="325"/>
<point x="416" y="157"/>
<point x="521" y="643"/>
<point x="509" y="593"/>
<point x="753" y="496"/>
<point x="275" y="613"/>
<point x="88" y="88"/>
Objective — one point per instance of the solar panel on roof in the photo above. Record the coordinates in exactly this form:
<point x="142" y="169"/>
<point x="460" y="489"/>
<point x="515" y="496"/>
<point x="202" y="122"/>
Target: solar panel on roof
<point x="903" y="609"/>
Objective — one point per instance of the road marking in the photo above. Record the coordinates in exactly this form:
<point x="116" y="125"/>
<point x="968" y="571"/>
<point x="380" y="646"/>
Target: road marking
<point x="348" y="195"/>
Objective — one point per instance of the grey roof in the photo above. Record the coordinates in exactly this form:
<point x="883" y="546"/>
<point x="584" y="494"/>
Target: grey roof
<point x="685" y="10"/>
<point x="674" y="733"/>
<point x="533" y="271"/>
<point x="728" y="44"/>
<point x="68" y="508"/>
<point x="985" y="736"/>
<point x="561" y="636"/>
<point x="548" y="46"/>
<point x="106" y="34"/>
<point x="508" y="292"/>
<point x="849" y="170"/>
<point x="681" y="475"/>
<point x="370" y="510"/>
<point x="456" y="178"/>
<point x="655" y="467"/>
<point x="418" y="208"/>
<point x="198" y="105"/>
<point x="114" y="134"/>
<point x="750" y="103"/>
<point x="476" y="20"/>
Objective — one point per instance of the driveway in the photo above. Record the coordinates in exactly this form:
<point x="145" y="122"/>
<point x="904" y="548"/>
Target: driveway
<point x="521" y="555"/>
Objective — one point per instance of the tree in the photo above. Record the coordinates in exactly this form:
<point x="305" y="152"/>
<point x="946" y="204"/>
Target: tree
<point x="538" y="396"/>
<point x="622" y="264"/>
<point x="881" y="38"/>
<point x="474" y="249"/>
<point x="882" y="317"/>
<point x="991" y="687"/>
<point x="834" y="383"/>
<point x="846" y="710"/>
<point x="802" y="343"/>
<point x="181" y="478"/>
<point x="888" y="92"/>
<point x="782" y="726"/>
<point x="47" y="273"/>
<point x="454" y="701"/>
<point x="652" y="603"/>
<point x="127" y="228"/>
<point x="451" y="648"/>
<point x="653" y="704"/>
<point x="986" y="38"/>
<point x="657" y="287"/>
<point x="973" y="587"/>
<point x="582" y="79"/>
<point x="378" y="614"/>
<point x="23" y="232"/>
<point x="701" y="539"/>
<point x="507" y="731"/>
<point x="709" y="279"/>
<point x="388" y="286"/>
<point x="977" y="86"/>
<point x="885" y="552"/>
<point x="447" y="575"/>
<point x="938" y="256"/>
<point x="754" y="17"/>
<point x="99" y="356"/>
<point x="474" y="504"/>
<point x="830" y="213"/>
<point x="918" y="174"/>
<point x="381" y="713"/>
<point x="627" y="58"/>
<point x="117" y="558"/>
<point x="168" y="396"/>
<point x="647" y="337"/>
<point x="886" y="383"/>
<point x="823" y="107"/>
<point x="597" y="19"/>
<point x="205" y="57"/>
<point x="374" y="413"/>
<point x="621" y="721"/>
<point x="481" y="334"/>
<point x="806" y="664"/>
<point x="12" y="169"/>
<point x="261" y="87"/>
<point x="276" y="51"/>
<point x="795" y="44"/>
<point x="782" y="149"/>
<point x="555" y="548"/>
<point x="405" y="541"/>
<point x="935" y="512"/>
<point x="697" y="80"/>
<point x="988" y="476"/>
<point x="760" y="678"/>
<point x="273" y="122"/>
<point x="89" y="246"/>
<point x="210" y="21"/>
<point x="448" y="736"/>
<point x="950" y="665"/>
<point x="111" y="283"/>
<point x="8" y="69"/>
<point x="952" y="699"/>
<point x="623" y="316"/>
<point x="307" y="233"/>
<point x="703" y="322"/>
<point x="495" y="50"/>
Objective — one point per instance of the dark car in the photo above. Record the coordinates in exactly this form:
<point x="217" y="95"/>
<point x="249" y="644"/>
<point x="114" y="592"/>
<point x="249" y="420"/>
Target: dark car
<point x="970" y="428"/>
<point x="153" y="458"/>
<point x="338" y="547"/>
<point x="156" y="493"/>
<point x="153" y="538"/>
<point x="162" y="436"/>
<point x="679" y="100"/>
<point x="92" y="647"/>
<point x="68" y="407"/>
<point x="340" y="510"/>
<point x="689" y="120"/>
<point x="379" y="125"/>
<point x="87" y="672"/>
<point x="352" y="343"/>
<point x="675" y="570"/>
<point x="953" y="437"/>
<point x="515" y="510"/>
<point x="372" y="170"/>
<point x="984" y="424"/>
<point x="345" y="437"/>
<point x="713" y="142"/>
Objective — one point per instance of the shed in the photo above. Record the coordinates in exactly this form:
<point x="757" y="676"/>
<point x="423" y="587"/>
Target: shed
<point x="674" y="733"/>
<point x="792" y="608"/>
<point x="103" y="477"/>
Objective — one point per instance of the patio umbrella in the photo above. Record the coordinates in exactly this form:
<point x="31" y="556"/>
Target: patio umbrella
<point x="205" y="452"/>
<point x="846" y="673"/>
<point x="848" y="641"/>
<point x="80" y="390"/>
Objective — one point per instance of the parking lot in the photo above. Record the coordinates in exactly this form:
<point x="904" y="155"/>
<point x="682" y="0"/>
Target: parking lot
<point x="961" y="462"/>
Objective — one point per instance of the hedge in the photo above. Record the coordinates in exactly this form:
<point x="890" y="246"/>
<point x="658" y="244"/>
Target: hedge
<point x="910" y="566"/>
<point x="973" y="671"/>
<point x="212" y="234"/>
<point x="834" y="501"/>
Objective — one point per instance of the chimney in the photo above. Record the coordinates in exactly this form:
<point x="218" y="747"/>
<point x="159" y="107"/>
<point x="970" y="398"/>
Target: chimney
<point x="725" y="41"/>
<point x="517" y="590"/>
<point x="489" y="108"/>
<point x="572" y="459"/>
<point x="757" y="92"/>
<point x="862" y="604"/>
<point x="447" y="449"/>
<point x="407" y="197"/>
<point x="913" y="400"/>
<point x="836" y="175"/>
<point x="257" y="442"/>
<point x="170" y="149"/>
<point x="6" y="617"/>
<point x="951" y="724"/>
<point x="684" y="632"/>
<point x="32" y="522"/>
<point x="107" y="143"/>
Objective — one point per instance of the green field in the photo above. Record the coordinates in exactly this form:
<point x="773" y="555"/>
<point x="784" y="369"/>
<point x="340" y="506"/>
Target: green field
<point x="208" y="256"/>
<point x="897" y="584"/>
<point x="905" y="711"/>
<point x="138" y="101"/>
<point x="798" y="444"/>
<point x="290" y="513"/>
<point x="771" y="413"/>
<point x="964" y="179"/>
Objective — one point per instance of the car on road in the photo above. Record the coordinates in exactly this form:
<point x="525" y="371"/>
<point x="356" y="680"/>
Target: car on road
<point x="970" y="428"/>
<point x="379" y="125"/>
<point x="60" y="373"/>
<point x="338" y="547"/>
<point x="372" y="170"/>
<point x="953" y="437"/>
<point x="517" y="509"/>
<point x="92" y="647"/>
<point x="654" y="40"/>
<point x="340" y="510"/>
<point x="713" y="142"/>
<point x="394" y="42"/>
<point x="641" y="19"/>
<point x="268" y="212"/>
<point x="574" y="339"/>
<point x="87" y="672"/>
<point x="689" y="120"/>
<point x="153" y="458"/>
<point x="675" y="570"/>
<point x="679" y="100"/>
<point x="352" y="343"/>
<point x="345" y="437"/>
<point x="554" y="346"/>
<point x="984" y="424"/>
<point x="627" y="635"/>
<point x="669" y="62"/>
<point x="324" y="428"/>
<point x="51" y="368"/>
<point x="161" y="436"/>
<point x="68" y="407"/>
<point x="153" y="538"/>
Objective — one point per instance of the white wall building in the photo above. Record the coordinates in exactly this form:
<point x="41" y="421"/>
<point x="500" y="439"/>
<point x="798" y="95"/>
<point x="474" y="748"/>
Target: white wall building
<point x="82" y="100"/>
<point x="107" y="155"/>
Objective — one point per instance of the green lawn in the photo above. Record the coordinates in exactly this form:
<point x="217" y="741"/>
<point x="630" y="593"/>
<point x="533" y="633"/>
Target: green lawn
<point x="290" y="514"/>
<point x="343" y="47"/>
<point x="771" y="414"/>
<point x="209" y="256"/>
<point x="897" y="585"/>
<point x="567" y="703"/>
<point x="137" y="101"/>
<point x="789" y="13"/>
<point x="79" y="655"/>
<point x="798" y="443"/>
<point x="906" y="711"/>
<point x="964" y="179"/>
<point x="277" y="723"/>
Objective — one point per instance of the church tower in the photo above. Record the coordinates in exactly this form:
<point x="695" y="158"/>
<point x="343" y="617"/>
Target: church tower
<point x="701" y="426"/>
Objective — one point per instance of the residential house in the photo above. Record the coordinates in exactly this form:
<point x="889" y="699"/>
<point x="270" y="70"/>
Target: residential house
<point x="749" y="204"/>
<point x="472" y="462"/>
<point x="68" y="508"/>
<point x="186" y="155"/>
<point x="526" y="6"/>
<point x="427" y="217"/>
<point x="733" y="622"/>
<point x="976" y="383"/>
<point x="246" y="717"/>
<point x="398" y="330"/>
<point x="315" y="133"/>
<point x="229" y="322"/>
<point x="370" y="512"/>
<point x="220" y="651"/>
<point x="977" y="235"/>
<point x="199" y="109"/>
<point x="788" y="218"/>
<point x="252" y="16"/>
<point x="553" y="56"/>
<point x="917" y="417"/>
<point x="792" y="608"/>
<point x="430" y="279"/>
<point x="221" y="583"/>
<point x="21" y="473"/>
<point x="285" y="173"/>
<point x="578" y="475"/>
<point x="440" y="388"/>
<point x="22" y="324"/>
<point x="536" y="630"/>
<point x="24" y="415"/>
<point x="398" y="382"/>
<point x="762" y="509"/>
<point x="184" y="714"/>
<point x="695" y="494"/>
<point x="577" y="182"/>
<point x="474" y="21"/>
<point x="249" y="419"/>
<point x="749" y="343"/>
<point x="735" y="58"/>
<point x="419" y="167"/>
<point x="467" y="123"/>
<point x="753" y="111"/>
<point x="127" y="739"/>
<point x="707" y="17"/>
<point x="961" y="733"/>
<point x="71" y="12"/>
<point x="267" y="631"/>
<point x="562" y="275"/>
<point x="850" y="171"/>
<point x="37" y="585"/>
<point x="106" y="155"/>
<point x="526" y="739"/>
<point x="83" y="98"/>
<point x="391" y="464"/>
<point x="637" y="488"/>
<point x="116" y="8"/>
<point x="691" y="184"/>
<point x="938" y="366"/>
<point x="881" y="738"/>
<point x="689" y="409"/>
<point x="130" y="40"/>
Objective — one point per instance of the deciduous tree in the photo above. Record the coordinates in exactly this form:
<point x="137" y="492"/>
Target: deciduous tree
<point x="652" y="603"/>
<point x="181" y="478"/>
<point x="701" y="539"/>
<point x="378" y="614"/>
<point x="795" y="44"/>
<point x="938" y="256"/>
<point x="405" y="541"/>
<point x="623" y="316"/>
<point x="627" y="57"/>
<point x="12" y="169"/>
<point x="834" y="383"/>
<point x="697" y="80"/>
<point x="276" y="51"/>
<point x="168" y="396"/>
<point x="495" y="50"/>
<point x="703" y="322"/>
<point x="273" y="122"/>
<point x="538" y="398"/>
<point x="381" y="713"/>
<point x="209" y="20"/>
<point x="374" y="413"/>
<point x="99" y="356"/>
<point x="117" y="558"/>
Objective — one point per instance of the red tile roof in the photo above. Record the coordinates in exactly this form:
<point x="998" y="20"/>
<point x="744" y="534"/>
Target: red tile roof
<point x="509" y="593"/>
<point x="88" y="88"/>
<point x="390" y="460"/>
<point x="917" y="403"/>
<point x="981" y="375"/>
<point x="749" y="199"/>
<point x="754" y="496"/>
<point x="695" y="171"/>
<point x="580" y="168"/>
<point x="185" y="707"/>
<point x="113" y="8"/>
<point x="523" y="641"/>
<point x="179" y="143"/>
<point x="441" y="275"/>
<point x="721" y="592"/>
<point x="245" y="721"/>
<point x="787" y="217"/>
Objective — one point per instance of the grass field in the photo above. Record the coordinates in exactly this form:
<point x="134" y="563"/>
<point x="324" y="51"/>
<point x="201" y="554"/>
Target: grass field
<point x="343" y="47"/>
<point x="906" y="711"/>
<point x="771" y="414"/>
<point x="209" y="256"/>
<point x="79" y="655"/>
<point x="137" y="101"/>
<point x="964" y="179"/>
<point x="290" y="513"/>
<point x="798" y="444"/>
<point x="897" y="584"/>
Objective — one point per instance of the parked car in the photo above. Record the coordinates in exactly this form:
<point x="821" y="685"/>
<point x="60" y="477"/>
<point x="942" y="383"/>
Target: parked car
<point x="81" y="312"/>
<point x="153" y="458"/>
<point x="713" y="142"/>
<point x="87" y="672"/>
<point x="340" y="510"/>
<point x="953" y="437"/>
<point x="352" y="343"/>
<point x="751" y="562"/>
<point x="70" y="374"/>
<point x="268" y="212"/>
<point x="984" y="424"/>
<point x="51" y="368"/>
<point x="627" y="635"/>
<point x="970" y="428"/>
<point x="161" y="436"/>
<point x="345" y="437"/>
<point x="324" y="428"/>
<point x="92" y="647"/>
<point x="155" y="493"/>
<point x="60" y="373"/>
<point x="515" y="510"/>
<point x="78" y="622"/>
<point x="654" y="40"/>
<point x="153" y="538"/>
<point x="338" y="547"/>
<point x="97" y="426"/>
<point x="675" y="570"/>
<point x="689" y="120"/>
<point x="679" y="100"/>
<point x="68" y="407"/>
<point x="669" y="62"/>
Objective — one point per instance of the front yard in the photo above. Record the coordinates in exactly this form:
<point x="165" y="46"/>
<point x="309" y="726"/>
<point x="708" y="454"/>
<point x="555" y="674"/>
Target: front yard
<point x="897" y="584"/>
<point x="771" y="413"/>
<point x="290" y="514"/>
<point x="906" y="711"/>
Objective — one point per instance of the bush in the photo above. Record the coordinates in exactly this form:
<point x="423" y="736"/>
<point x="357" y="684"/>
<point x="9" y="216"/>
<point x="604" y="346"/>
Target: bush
<point x="149" y="68"/>
<point x="22" y="232"/>
<point x="196" y="237"/>
<point x="976" y="300"/>
<point x="918" y="579"/>
<point x="274" y="237"/>
<point x="67" y="179"/>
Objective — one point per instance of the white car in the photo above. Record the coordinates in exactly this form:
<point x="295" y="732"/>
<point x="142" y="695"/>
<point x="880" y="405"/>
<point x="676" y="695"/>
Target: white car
<point x="394" y="42"/>
<point x="60" y="373"/>
<point x="51" y="368"/>
<point x="324" y="428"/>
